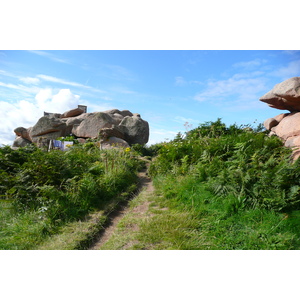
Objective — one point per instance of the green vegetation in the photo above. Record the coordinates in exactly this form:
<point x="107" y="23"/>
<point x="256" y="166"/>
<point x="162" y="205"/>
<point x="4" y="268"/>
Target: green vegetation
<point x="219" y="187"/>
<point x="237" y="184"/>
<point x="42" y="193"/>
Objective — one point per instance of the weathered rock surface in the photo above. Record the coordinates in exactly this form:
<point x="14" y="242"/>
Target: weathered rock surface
<point x="72" y="122"/>
<point x="90" y="127"/>
<point x="46" y="127"/>
<point x="135" y="129"/>
<point x="72" y="113"/>
<point x="123" y="125"/>
<point x="289" y="126"/>
<point x="20" y="142"/>
<point x="269" y="123"/>
<point x="23" y="132"/>
<point x="284" y="95"/>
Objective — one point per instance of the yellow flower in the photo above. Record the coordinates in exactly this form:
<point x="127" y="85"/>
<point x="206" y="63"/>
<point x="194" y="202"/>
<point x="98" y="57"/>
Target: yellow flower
<point x="127" y="150"/>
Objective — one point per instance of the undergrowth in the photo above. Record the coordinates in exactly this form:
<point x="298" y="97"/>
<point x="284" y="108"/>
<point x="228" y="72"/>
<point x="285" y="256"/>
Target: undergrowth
<point x="238" y="184"/>
<point x="43" y="191"/>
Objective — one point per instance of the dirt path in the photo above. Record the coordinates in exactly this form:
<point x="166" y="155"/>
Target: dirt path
<point x="145" y="185"/>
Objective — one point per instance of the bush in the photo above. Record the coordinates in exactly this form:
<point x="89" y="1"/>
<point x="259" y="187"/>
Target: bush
<point x="247" y="164"/>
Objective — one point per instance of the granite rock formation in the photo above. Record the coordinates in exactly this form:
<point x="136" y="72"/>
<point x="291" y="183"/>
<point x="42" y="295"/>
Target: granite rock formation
<point x="285" y="96"/>
<point x="111" y="127"/>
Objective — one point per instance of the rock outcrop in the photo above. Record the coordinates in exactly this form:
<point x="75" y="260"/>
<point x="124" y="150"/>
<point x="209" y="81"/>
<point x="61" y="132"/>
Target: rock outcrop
<point x="285" y="95"/>
<point x="20" y="142"/>
<point x="72" y="113"/>
<point x="90" y="127"/>
<point x="112" y="127"/>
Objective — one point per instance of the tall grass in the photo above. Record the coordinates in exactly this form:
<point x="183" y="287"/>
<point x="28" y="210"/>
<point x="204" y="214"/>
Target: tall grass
<point x="42" y="191"/>
<point x="238" y="182"/>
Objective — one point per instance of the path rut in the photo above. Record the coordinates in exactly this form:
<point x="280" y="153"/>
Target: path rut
<point x="146" y="185"/>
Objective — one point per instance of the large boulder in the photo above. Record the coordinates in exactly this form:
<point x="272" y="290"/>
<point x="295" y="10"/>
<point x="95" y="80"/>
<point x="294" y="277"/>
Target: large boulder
<point x="72" y="113"/>
<point x="20" y="142"/>
<point x="48" y="127"/>
<point x="270" y="123"/>
<point x="72" y="122"/>
<point x="90" y="127"/>
<point x="284" y="95"/>
<point x="23" y="132"/>
<point x="115" y="131"/>
<point x="135" y="129"/>
<point x="289" y="126"/>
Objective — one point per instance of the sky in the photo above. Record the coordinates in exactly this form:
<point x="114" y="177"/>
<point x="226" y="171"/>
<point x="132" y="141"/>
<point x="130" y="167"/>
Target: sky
<point x="173" y="90"/>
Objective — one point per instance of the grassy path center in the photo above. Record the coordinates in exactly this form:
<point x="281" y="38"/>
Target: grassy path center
<point x="145" y="187"/>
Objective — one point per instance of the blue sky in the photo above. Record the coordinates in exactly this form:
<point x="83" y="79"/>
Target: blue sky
<point x="167" y="87"/>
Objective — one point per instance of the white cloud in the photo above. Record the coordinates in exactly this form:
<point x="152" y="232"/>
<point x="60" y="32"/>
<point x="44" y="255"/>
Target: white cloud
<point x="59" y="80"/>
<point x="248" y="75"/>
<point x="20" y="87"/>
<point x="27" y="80"/>
<point x="160" y="135"/>
<point x="66" y="82"/>
<point x="4" y="73"/>
<point x="291" y="70"/>
<point x="241" y="88"/>
<point x="250" y="64"/>
<point x="179" y="81"/>
<point x="62" y="101"/>
<point x="50" y="56"/>
<point x="30" y="80"/>
<point x="43" y="95"/>
<point x="26" y="113"/>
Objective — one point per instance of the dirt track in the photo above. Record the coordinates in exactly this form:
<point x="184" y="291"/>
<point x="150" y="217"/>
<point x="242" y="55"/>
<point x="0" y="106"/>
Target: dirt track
<point x="146" y="185"/>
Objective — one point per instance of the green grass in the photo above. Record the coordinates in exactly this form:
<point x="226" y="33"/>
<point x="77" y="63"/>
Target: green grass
<point x="217" y="187"/>
<point x="76" y="235"/>
<point x="197" y="219"/>
<point x="45" y="195"/>
<point x="24" y="231"/>
<point x="184" y="215"/>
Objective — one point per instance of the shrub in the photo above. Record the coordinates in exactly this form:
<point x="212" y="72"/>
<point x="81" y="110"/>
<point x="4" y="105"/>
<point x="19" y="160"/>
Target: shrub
<point x="247" y="164"/>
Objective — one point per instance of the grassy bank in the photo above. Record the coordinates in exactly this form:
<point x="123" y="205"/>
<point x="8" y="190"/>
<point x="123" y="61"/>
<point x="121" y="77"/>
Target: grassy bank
<point x="220" y="187"/>
<point x="42" y="193"/>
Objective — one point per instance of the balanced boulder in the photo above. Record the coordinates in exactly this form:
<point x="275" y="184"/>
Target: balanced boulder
<point x="284" y="95"/>
<point x="23" y="132"/>
<point x="72" y="113"/>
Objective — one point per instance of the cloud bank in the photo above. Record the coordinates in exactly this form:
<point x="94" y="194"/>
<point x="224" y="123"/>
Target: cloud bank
<point x="26" y="113"/>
